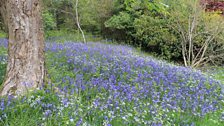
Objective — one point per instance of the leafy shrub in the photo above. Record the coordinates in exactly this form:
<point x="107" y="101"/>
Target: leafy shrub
<point x="156" y="36"/>
<point x="121" y="21"/>
<point x="49" y="21"/>
<point x="143" y="24"/>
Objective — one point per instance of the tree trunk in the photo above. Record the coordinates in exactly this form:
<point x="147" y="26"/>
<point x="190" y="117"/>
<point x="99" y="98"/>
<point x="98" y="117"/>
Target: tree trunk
<point x="77" y="21"/>
<point x="25" y="69"/>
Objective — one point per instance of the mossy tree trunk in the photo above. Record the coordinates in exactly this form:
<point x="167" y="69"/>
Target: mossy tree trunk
<point x="25" y="68"/>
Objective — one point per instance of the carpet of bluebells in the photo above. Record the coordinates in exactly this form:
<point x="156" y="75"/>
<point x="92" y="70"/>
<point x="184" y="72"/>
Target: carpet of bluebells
<point x="97" y="84"/>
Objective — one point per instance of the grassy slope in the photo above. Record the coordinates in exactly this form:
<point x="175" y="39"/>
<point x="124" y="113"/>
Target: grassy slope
<point x="218" y="74"/>
<point x="210" y="120"/>
<point x="215" y="72"/>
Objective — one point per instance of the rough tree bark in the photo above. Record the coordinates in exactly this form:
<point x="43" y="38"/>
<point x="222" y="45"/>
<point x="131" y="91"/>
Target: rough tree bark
<point x="25" y="69"/>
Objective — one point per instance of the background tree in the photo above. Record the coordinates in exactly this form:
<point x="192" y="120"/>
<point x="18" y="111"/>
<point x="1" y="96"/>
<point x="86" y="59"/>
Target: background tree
<point x="77" y="20"/>
<point x="201" y="33"/>
<point x="25" y="68"/>
<point x="92" y="14"/>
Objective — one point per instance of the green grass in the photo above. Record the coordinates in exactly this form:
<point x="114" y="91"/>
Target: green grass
<point x="3" y="51"/>
<point x="2" y="34"/>
<point x="76" y="36"/>
<point x="2" y="72"/>
<point x="217" y="72"/>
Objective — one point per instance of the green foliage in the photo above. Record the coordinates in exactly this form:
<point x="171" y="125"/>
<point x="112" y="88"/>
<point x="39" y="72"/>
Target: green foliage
<point x="92" y="14"/>
<point x="3" y="52"/>
<point x="2" y="72"/>
<point x="2" y="34"/>
<point x="144" y="23"/>
<point x="49" y="21"/>
<point x="121" y="21"/>
<point x="155" y="27"/>
<point x="154" y="32"/>
<point x="147" y="24"/>
<point x="153" y="6"/>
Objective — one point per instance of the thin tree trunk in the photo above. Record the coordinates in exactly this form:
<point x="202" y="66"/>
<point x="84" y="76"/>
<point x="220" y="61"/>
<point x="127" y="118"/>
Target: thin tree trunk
<point x="189" y="40"/>
<point x="77" y="20"/>
<point x="25" y="69"/>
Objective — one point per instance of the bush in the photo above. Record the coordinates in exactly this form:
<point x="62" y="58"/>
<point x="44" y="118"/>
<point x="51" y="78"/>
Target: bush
<point x="49" y="21"/>
<point x="156" y="36"/>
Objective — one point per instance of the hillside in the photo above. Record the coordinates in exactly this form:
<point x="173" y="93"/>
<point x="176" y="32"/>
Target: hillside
<point x="104" y="84"/>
